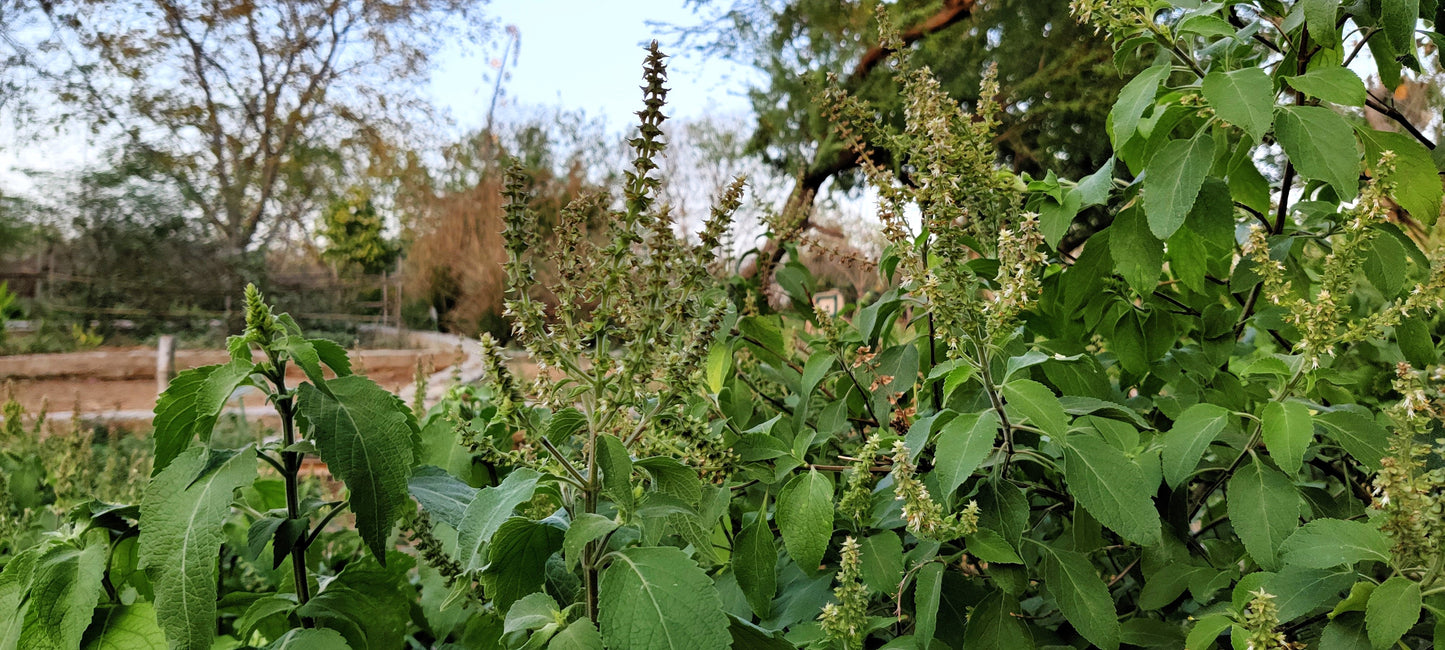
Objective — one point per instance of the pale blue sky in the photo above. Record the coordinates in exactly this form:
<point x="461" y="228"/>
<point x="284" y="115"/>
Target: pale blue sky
<point x="575" y="54"/>
<point x="586" y="54"/>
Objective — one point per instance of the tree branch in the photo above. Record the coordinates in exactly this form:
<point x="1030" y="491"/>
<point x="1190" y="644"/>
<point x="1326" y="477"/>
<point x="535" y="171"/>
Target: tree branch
<point x="805" y="191"/>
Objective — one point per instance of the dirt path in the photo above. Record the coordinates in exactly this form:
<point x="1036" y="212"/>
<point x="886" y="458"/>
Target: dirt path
<point x="118" y="381"/>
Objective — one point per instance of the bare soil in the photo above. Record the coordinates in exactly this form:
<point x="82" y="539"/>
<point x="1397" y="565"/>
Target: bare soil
<point x="123" y="379"/>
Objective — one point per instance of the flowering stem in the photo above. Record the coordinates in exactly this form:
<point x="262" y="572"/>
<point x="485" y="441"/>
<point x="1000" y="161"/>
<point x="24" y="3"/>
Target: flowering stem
<point x="932" y="344"/>
<point x="589" y="505"/>
<point x="867" y="403"/>
<point x="581" y="481"/>
<point x="993" y="398"/>
<point x="1434" y="571"/>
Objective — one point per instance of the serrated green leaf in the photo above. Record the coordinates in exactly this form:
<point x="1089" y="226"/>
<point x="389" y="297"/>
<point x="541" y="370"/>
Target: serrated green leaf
<point x="333" y="355"/>
<point x="995" y="625"/>
<point x="1384" y="266"/>
<point x="1334" y="84"/>
<point x="580" y="634"/>
<point x="1301" y="589"/>
<point x="1322" y="146"/>
<point x="486" y="513"/>
<point x="442" y="495"/>
<point x="262" y="609"/>
<point x="1186" y="442"/>
<point x="1112" y="488"/>
<point x="927" y="590"/>
<point x="1358" y="597"/>
<point x="1172" y="181"/>
<point x="364" y="434"/>
<point x="962" y="445"/>
<point x="1243" y="97"/>
<point x="1055" y="217"/>
<point x="175" y="415"/>
<point x="1392" y="611"/>
<point x="1037" y="404"/>
<point x="719" y="366"/>
<point x="1320" y="20"/>
<point x="755" y="564"/>
<point x="1136" y="97"/>
<point x="1361" y="437"/>
<point x="586" y="527"/>
<point x="1138" y="254"/>
<point x="564" y="423"/>
<point x="180" y="539"/>
<point x="656" y="598"/>
<point x="815" y="370"/>
<point x="304" y="354"/>
<point x="1325" y="543"/>
<point x="1082" y="596"/>
<point x="303" y="639"/>
<point x="805" y="518"/>
<point x="1287" y="429"/>
<point x="15" y="583"/>
<point x="988" y="545"/>
<point x="517" y="559"/>
<point x="882" y="557"/>
<point x="190" y="405"/>
<point x="1398" y="18"/>
<point x="1416" y="344"/>
<point x="1094" y="189"/>
<point x="126" y="627"/>
<point x="1387" y="66"/>
<point x="531" y="612"/>
<point x="747" y="635"/>
<point x="1206" y="631"/>
<point x="64" y="590"/>
<point x="1264" y="509"/>
<point x="616" y="466"/>
<point x="367" y="602"/>
<point x="1166" y="585"/>
<point x="1151" y="633"/>
<point x="1345" y="632"/>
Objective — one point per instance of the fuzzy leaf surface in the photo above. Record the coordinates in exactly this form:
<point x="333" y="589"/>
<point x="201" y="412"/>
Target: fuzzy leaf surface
<point x="180" y="539"/>
<point x="364" y="434"/>
<point x="656" y="598"/>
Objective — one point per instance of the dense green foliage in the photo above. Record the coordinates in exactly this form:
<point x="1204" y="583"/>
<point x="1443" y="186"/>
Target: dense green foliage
<point x="1214" y="424"/>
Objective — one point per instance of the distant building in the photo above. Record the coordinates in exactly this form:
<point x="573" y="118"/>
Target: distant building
<point x="829" y="302"/>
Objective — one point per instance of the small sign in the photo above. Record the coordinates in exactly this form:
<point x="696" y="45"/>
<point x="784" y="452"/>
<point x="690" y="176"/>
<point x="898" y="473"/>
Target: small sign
<point x="829" y="302"/>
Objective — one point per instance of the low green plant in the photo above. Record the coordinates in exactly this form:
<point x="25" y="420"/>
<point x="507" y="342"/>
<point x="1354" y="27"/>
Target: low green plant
<point x="7" y="308"/>
<point x="1214" y="424"/>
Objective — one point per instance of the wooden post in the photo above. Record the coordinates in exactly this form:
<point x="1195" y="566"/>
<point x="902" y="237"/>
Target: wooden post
<point x="165" y="362"/>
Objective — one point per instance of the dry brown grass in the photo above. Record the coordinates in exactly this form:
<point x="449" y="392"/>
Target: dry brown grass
<point x="456" y="254"/>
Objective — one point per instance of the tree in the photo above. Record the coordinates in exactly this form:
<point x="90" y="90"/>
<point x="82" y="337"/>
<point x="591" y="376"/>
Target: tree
<point x="355" y="236"/>
<point x="1056" y="79"/>
<point x="230" y="100"/>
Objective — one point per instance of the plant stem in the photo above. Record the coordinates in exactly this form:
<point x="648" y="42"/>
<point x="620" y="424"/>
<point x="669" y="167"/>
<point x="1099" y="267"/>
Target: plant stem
<point x="932" y="343"/>
<point x="1433" y="571"/>
<point x="1254" y="439"/>
<point x="336" y="509"/>
<point x="589" y="505"/>
<point x="993" y="398"/>
<point x="581" y="481"/>
<point x="291" y="461"/>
